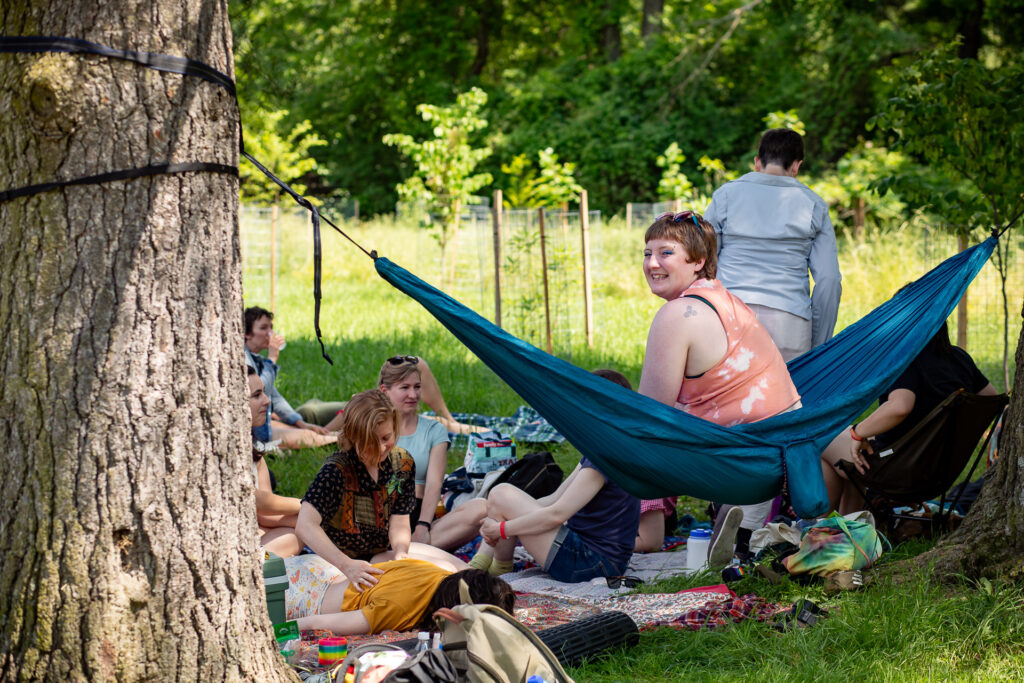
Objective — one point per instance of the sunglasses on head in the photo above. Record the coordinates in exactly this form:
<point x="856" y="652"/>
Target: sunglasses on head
<point x="627" y="581"/>
<point x="398" y="360"/>
<point x="682" y="216"/>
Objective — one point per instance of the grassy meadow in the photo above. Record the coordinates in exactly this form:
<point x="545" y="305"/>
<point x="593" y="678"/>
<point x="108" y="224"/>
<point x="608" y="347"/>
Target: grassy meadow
<point x="914" y="631"/>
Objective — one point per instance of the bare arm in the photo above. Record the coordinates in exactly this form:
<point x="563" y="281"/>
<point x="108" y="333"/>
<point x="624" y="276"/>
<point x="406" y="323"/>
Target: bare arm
<point x="432" y="488"/>
<point x="359" y="572"/>
<point x="432" y="391"/>
<point x="989" y="390"/>
<point x="666" y="353"/>
<point x="268" y="502"/>
<point x="895" y="410"/>
<point x="400" y="535"/>
<point x="586" y="482"/>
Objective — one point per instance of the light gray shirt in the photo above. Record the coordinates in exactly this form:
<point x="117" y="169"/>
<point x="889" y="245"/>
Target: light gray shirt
<point x="771" y="231"/>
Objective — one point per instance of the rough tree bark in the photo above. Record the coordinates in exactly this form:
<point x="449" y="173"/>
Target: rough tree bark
<point x="990" y="542"/>
<point x="127" y="524"/>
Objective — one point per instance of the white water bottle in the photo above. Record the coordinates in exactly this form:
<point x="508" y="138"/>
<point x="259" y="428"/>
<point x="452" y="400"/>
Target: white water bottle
<point x="697" y="549"/>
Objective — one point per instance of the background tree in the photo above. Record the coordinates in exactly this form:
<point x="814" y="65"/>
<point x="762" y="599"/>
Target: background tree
<point x="553" y="186"/>
<point x="285" y="153"/>
<point x="127" y="530"/>
<point x="443" y="177"/>
<point x="964" y="120"/>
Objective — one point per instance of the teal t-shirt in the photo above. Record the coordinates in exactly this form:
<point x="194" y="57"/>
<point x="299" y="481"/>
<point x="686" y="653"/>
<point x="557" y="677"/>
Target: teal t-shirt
<point x="428" y="434"/>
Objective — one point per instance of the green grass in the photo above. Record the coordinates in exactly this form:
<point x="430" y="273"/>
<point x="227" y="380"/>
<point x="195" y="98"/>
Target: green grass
<point x="914" y="631"/>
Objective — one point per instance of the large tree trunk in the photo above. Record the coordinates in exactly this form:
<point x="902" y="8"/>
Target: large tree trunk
<point x="127" y="524"/>
<point x="990" y="541"/>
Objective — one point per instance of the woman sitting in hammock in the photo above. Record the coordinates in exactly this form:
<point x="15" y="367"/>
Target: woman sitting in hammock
<point x="406" y="595"/>
<point x="427" y="442"/>
<point x="358" y="505"/>
<point x="936" y="372"/>
<point x="706" y="352"/>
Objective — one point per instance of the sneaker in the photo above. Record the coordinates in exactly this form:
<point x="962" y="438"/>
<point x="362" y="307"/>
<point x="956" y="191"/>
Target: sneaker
<point x="722" y="546"/>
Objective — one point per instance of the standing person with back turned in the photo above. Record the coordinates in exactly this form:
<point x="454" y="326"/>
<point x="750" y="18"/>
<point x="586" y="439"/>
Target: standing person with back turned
<point x="772" y="230"/>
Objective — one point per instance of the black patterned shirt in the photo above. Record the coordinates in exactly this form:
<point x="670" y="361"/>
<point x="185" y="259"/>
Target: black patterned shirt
<point x="354" y="509"/>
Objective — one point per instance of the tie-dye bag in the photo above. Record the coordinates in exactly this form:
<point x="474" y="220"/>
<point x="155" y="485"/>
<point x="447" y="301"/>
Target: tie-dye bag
<point x="836" y="544"/>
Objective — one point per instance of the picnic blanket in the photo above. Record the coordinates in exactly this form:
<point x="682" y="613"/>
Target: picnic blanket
<point x="526" y="424"/>
<point x="646" y="566"/>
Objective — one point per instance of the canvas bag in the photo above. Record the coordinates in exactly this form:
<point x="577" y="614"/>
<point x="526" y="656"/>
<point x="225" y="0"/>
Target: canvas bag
<point x="836" y="544"/>
<point x="489" y="451"/>
<point x="487" y="645"/>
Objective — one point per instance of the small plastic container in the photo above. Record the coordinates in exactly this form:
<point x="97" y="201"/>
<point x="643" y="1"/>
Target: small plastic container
<point x="422" y="641"/>
<point x="332" y="651"/>
<point x="697" y="549"/>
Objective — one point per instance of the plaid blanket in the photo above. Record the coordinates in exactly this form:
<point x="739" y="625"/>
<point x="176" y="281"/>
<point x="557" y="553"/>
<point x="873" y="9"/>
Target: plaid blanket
<point x="717" y="614"/>
<point x="525" y="425"/>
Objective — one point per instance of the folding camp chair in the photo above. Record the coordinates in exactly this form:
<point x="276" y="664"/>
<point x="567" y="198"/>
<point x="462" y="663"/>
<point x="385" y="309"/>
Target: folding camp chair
<point x="926" y="461"/>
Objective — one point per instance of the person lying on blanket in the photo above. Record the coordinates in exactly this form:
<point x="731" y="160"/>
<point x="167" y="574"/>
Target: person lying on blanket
<point x="707" y="354"/>
<point x="583" y="530"/>
<point x="427" y="442"/>
<point x="936" y="372"/>
<point x="356" y="511"/>
<point x="276" y="514"/>
<point x="406" y="595"/>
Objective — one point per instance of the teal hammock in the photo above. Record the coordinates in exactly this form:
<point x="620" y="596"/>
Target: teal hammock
<point x="654" y="450"/>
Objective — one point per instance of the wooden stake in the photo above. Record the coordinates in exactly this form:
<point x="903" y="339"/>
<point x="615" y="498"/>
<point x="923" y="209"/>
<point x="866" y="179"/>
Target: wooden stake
<point x="588" y="308"/>
<point x="496" y="215"/>
<point x="629" y="215"/>
<point x="273" y="253"/>
<point x="544" y="268"/>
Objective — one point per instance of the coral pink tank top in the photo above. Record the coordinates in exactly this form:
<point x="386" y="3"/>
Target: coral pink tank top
<point x="751" y="382"/>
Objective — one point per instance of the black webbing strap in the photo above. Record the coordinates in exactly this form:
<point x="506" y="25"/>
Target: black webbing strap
<point x="186" y="67"/>
<point x="177" y="65"/>
<point x="127" y="174"/>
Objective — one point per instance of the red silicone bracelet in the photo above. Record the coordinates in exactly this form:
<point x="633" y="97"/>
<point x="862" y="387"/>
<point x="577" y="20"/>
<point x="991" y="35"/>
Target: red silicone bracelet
<point x="853" y="434"/>
<point x="501" y="531"/>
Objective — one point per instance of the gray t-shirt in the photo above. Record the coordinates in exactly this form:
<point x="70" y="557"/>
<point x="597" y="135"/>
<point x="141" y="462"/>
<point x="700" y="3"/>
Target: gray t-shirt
<point x="428" y="434"/>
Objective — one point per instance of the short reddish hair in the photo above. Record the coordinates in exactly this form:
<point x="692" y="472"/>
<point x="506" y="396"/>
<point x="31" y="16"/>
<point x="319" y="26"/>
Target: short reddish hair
<point x="694" y="234"/>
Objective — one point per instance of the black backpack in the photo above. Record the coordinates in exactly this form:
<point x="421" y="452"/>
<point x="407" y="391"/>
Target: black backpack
<point x="536" y="473"/>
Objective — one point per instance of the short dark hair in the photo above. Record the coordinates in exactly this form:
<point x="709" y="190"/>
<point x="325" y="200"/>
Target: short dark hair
<point x="249" y="370"/>
<point x="614" y="376"/>
<point x="484" y="589"/>
<point x="252" y="314"/>
<point x="781" y="146"/>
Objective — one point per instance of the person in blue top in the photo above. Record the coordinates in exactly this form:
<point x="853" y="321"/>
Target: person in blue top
<point x="291" y="429"/>
<point x="583" y="530"/>
<point x="427" y="442"/>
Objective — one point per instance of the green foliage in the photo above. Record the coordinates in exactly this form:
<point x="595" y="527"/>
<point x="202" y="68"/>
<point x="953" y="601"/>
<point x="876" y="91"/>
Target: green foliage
<point x="444" y="177"/>
<point x="285" y="152"/>
<point x="965" y="120"/>
<point x="673" y="184"/>
<point x="785" y="119"/>
<point x="851" y="192"/>
<point x="528" y="189"/>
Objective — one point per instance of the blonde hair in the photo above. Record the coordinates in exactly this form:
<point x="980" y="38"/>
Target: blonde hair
<point x="695" y="235"/>
<point x="367" y="411"/>
<point x="392" y="373"/>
